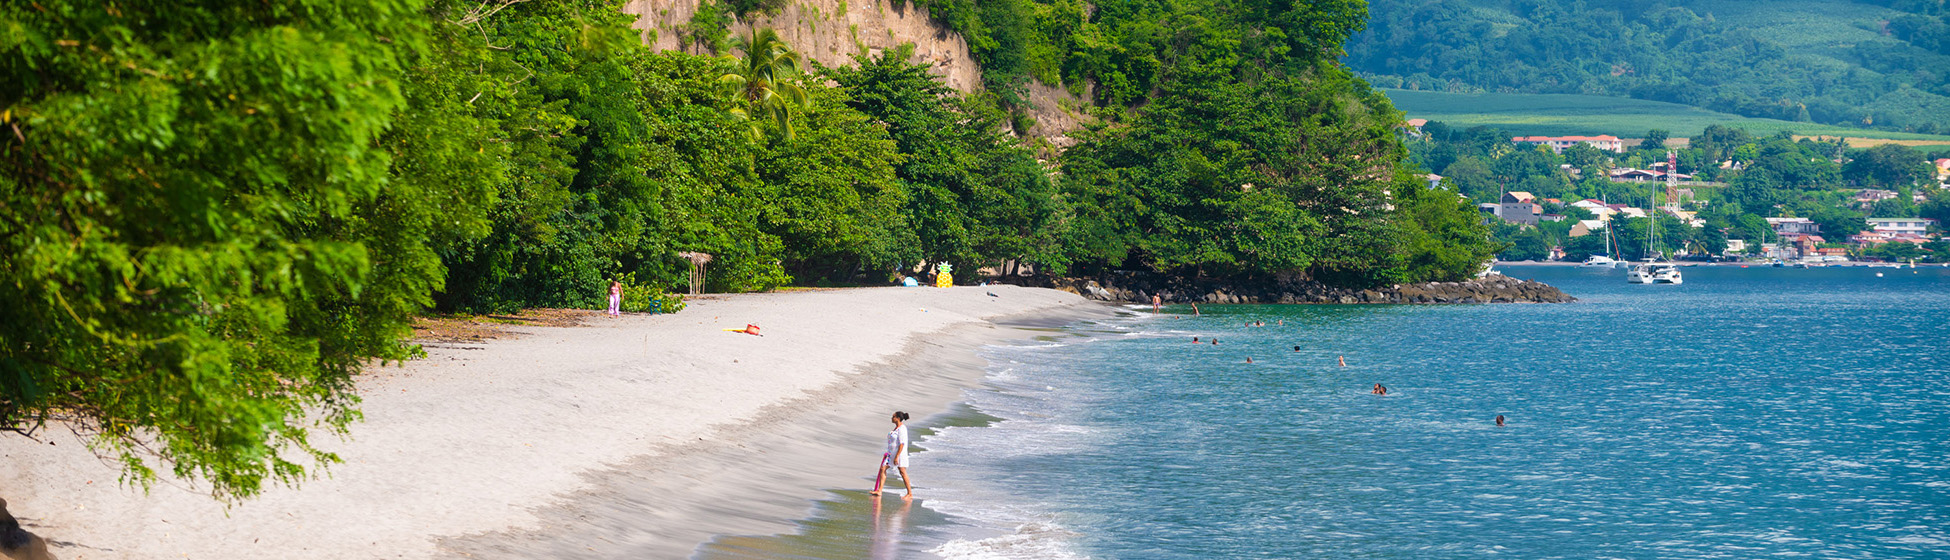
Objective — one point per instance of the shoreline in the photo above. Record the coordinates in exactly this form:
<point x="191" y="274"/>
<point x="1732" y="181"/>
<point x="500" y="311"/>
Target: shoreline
<point x="491" y="439"/>
<point x="779" y="465"/>
<point x="1730" y="264"/>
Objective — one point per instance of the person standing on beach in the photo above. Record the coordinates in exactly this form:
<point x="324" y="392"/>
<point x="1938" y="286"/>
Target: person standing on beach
<point x="615" y="298"/>
<point x="896" y="456"/>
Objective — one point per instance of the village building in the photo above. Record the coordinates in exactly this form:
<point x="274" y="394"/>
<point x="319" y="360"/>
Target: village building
<point x="1736" y="245"/>
<point x="1872" y="196"/>
<point x="1490" y="211"/>
<point x="1627" y="174"/>
<point x="1520" y="207"/>
<point x="1793" y="226"/>
<point x="1607" y="142"/>
<point x="1586" y="227"/>
<point x="1900" y="226"/>
<point x="1595" y="207"/>
<point x="1414" y="126"/>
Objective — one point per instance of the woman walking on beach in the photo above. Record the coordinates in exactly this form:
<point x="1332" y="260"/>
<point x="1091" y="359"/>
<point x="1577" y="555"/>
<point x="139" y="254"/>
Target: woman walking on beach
<point x="615" y="298"/>
<point x="896" y="456"/>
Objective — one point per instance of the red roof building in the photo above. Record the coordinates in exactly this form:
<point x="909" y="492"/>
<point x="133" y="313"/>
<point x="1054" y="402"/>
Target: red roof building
<point x="1559" y="143"/>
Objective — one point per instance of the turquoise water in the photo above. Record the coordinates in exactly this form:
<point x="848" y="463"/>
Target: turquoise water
<point x="1747" y="413"/>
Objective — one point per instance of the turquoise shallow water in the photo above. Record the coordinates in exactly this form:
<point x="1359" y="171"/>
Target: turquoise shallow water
<point x="1748" y="413"/>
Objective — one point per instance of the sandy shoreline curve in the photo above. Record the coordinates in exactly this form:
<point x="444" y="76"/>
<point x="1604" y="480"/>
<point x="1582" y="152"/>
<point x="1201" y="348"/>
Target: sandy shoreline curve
<point x="488" y="450"/>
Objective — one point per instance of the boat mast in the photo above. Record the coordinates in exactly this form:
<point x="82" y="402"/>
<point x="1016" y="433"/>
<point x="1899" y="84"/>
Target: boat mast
<point x="1608" y="252"/>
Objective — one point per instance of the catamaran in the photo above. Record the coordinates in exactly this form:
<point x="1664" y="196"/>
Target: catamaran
<point x="1653" y="270"/>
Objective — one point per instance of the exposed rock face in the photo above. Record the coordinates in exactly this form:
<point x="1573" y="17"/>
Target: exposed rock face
<point x="1138" y="288"/>
<point x="822" y="30"/>
<point x="18" y="544"/>
<point x="832" y="31"/>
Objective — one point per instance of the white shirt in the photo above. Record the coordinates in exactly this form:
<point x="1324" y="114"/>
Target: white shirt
<point x="897" y="445"/>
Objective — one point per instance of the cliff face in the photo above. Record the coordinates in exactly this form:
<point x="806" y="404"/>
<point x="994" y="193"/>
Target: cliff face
<point x="832" y="31"/>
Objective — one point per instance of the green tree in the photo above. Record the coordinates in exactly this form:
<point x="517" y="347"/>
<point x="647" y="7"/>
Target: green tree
<point x="1889" y="165"/>
<point x="1472" y="178"/>
<point x="1655" y="140"/>
<point x="767" y="82"/>
<point x="832" y="197"/>
<point x="208" y="228"/>
<point x="1442" y="236"/>
<point x="974" y="196"/>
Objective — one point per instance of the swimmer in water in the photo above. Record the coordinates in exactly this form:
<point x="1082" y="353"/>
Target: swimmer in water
<point x="1194" y="340"/>
<point x="1380" y="390"/>
<point x="1499" y="420"/>
<point x="1343" y="361"/>
<point x="1215" y="342"/>
<point x="1296" y="349"/>
<point x="1249" y="359"/>
<point x="1194" y="310"/>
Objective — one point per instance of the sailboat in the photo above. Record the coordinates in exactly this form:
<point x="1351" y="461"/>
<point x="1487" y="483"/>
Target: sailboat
<point x="1605" y="260"/>
<point x="1654" y="270"/>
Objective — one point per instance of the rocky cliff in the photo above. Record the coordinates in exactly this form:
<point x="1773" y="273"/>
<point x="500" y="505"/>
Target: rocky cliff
<point x="830" y="32"/>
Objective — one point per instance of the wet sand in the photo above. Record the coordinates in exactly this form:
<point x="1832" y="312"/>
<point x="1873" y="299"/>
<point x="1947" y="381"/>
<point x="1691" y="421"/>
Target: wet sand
<point x="634" y="437"/>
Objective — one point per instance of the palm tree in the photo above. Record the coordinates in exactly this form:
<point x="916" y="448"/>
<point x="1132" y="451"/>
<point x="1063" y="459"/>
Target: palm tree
<point x="767" y="81"/>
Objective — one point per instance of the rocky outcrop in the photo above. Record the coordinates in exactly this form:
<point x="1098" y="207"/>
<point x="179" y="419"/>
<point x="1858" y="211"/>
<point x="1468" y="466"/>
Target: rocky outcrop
<point x="1139" y="287"/>
<point x="830" y="32"/>
<point x="18" y="544"/>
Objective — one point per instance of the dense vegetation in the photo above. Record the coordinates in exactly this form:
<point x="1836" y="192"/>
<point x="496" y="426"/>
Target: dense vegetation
<point x="1775" y="176"/>
<point x="213" y="214"/>
<point x="1892" y="73"/>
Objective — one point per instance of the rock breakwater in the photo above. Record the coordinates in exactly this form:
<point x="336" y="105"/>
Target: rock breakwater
<point x="1138" y="288"/>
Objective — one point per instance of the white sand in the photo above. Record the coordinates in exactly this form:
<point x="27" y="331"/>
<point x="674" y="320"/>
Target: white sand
<point x="486" y="438"/>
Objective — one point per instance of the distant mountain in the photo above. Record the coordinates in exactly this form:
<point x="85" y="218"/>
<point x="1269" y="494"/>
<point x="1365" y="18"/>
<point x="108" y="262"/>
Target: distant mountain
<point x="1872" y="63"/>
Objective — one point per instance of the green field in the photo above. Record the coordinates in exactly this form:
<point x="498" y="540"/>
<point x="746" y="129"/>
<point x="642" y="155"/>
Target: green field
<point x="1557" y="115"/>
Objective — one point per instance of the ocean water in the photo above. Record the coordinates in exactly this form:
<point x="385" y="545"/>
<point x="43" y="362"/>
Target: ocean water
<point x="1748" y="413"/>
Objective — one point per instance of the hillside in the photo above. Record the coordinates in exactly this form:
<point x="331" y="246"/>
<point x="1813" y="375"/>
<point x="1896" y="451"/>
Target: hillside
<point x="1878" y="64"/>
<point x="1572" y="114"/>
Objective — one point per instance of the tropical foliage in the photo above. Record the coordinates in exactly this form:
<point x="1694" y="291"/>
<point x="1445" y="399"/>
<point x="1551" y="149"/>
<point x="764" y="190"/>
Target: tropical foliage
<point x="767" y="82"/>
<point x="214" y="214"/>
<point x="1876" y="63"/>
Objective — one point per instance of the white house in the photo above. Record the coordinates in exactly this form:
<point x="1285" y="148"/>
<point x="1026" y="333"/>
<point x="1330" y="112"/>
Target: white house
<point x="1899" y="226"/>
<point x="1559" y="143"/>
<point x="1788" y="226"/>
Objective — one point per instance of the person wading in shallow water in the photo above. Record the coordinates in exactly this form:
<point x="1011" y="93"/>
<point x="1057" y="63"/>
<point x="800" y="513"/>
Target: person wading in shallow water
<point x="896" y="456"/>
<point x="1380" y="390"/>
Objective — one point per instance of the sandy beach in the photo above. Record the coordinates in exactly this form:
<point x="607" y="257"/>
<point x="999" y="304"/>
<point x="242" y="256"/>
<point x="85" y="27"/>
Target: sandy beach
<point x="642" y="435"/>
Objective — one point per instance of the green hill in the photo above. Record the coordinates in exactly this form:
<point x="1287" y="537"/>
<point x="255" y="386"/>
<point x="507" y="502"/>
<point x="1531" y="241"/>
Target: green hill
<point x="1565" y="114"/>
<point x="1881" y="64"/>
